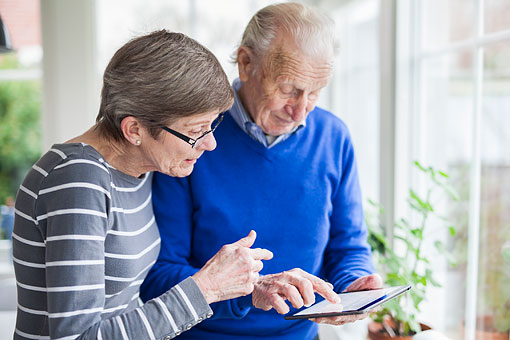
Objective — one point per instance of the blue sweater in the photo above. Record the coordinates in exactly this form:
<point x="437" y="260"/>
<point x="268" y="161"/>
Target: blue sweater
<point x="302" y="197"/>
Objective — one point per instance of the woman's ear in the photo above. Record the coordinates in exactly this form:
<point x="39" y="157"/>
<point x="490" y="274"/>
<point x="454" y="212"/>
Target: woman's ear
<point x="132" y="130"/>
<point x="245" y="63"/>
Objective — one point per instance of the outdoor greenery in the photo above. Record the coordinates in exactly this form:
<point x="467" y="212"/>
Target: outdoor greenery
<point x="20" y="103"/>
<point x="409" y="264"/>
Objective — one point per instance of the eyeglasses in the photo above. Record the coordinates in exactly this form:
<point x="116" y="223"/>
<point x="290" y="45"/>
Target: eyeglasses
<point x="196" y="142"/>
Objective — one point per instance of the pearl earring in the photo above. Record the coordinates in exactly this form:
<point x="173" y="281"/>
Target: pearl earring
<point x="138" y="142"/>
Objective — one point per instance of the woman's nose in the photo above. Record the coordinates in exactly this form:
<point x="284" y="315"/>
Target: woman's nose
<point x="208" y="143"/>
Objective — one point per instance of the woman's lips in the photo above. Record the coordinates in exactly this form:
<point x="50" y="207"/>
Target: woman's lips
<point x="190" y="161"/>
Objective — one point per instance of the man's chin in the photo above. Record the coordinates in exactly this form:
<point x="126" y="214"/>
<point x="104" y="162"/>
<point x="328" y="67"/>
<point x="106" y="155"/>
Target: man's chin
<point x="279" y="131"/>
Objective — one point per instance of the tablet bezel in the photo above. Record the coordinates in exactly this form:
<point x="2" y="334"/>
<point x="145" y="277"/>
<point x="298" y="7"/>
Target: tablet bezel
<point x="365" y="309"/>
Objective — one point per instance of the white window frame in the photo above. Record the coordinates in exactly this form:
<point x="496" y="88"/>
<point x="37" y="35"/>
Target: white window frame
<point x="70" y="83"/>
<point x="408" y="74"/>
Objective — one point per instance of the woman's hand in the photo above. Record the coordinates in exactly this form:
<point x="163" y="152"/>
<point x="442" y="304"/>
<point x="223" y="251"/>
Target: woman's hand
<point x="232" y="271"/>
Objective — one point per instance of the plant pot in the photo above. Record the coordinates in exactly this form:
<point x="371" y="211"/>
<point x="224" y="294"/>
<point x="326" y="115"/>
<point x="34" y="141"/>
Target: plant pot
<point x="376" y="331"/>
<point x="491" y="335"/>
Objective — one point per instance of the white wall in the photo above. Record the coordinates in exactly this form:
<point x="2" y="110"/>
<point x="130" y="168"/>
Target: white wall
<point x="70" y="84"/>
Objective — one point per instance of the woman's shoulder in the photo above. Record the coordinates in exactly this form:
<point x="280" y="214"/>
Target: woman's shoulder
<point x="65" y="171"/>
<point x="78" y="154"/>
<point x="73" y="162"/>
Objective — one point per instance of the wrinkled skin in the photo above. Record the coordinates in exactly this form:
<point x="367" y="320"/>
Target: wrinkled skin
<point x="369" y="282"/>
<point x="232" y="271"/>
<point x="294" y="285"/>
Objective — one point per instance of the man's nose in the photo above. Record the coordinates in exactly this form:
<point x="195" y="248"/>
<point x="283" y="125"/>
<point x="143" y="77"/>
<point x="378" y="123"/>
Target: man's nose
<point x="298" y="108"/>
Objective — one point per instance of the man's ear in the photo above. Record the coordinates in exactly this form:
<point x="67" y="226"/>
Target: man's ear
<point x="245" y="63"/>
<point x="132" y="130"/>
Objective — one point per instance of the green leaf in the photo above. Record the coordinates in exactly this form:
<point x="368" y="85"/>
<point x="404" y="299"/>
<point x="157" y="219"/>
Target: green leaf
<point x="415" y="326"/>
<point x="419" y="204"/>
<point x="430" y="278"/>
<point x="418" y="232"/>
<point x="419" y="166"/>
<point x="452" y="230"/>
<point x="443" y="174"/>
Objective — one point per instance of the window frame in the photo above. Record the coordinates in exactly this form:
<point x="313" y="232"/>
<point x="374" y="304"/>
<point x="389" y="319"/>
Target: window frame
<point x="408" y="118"/>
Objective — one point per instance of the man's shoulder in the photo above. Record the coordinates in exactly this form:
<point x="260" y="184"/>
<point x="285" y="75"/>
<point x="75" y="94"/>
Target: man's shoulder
<point x="326" y="119"/>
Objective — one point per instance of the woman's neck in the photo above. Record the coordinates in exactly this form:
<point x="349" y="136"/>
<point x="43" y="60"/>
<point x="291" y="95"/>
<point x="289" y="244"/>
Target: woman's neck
<point x="121" y="155"/>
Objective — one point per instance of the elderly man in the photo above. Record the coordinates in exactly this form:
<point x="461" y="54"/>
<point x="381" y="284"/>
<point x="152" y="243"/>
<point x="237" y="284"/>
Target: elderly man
<point x="283" y="168"/>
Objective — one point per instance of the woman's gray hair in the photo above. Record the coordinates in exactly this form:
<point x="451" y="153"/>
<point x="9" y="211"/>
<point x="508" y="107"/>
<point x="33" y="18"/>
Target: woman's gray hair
<point x="312" y="31"/>
<point x="158" y="78"/>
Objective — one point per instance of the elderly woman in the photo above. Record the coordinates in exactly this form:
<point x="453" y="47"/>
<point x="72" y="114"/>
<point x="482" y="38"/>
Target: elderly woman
<point x="85" y="235"/>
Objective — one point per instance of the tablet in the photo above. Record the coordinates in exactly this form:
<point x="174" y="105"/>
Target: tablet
<point x="352" y="303"/>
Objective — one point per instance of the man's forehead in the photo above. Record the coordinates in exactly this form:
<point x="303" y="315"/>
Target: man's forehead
<point x="295" y="67"/>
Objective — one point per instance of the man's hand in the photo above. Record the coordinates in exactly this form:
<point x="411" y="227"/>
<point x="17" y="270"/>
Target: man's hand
<point x="368" y="282"/>
<point x="295" y="285"/>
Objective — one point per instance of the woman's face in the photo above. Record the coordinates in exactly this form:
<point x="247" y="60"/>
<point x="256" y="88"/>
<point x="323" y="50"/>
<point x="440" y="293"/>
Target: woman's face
<point x="173" y="156"/>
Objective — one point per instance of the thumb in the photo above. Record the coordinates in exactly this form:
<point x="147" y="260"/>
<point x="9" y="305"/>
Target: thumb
<point x="369" y="282"/>
<point x="248" y="240"/>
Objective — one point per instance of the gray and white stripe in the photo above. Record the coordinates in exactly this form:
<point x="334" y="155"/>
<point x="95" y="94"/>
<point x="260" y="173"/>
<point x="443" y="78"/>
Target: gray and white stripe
<point x="84" y="239"/>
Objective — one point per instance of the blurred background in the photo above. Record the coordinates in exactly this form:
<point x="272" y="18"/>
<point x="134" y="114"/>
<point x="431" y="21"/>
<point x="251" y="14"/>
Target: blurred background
<point x="415" y="80"/>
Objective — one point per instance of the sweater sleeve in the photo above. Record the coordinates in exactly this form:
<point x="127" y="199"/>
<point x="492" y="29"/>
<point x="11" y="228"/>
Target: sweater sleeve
<point x="73" y="216"/>
<point x="347" y="255"/>
<point x="173" y="206"/>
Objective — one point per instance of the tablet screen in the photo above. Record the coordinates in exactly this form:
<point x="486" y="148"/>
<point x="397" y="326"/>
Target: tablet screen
<point x="352" y="303"/>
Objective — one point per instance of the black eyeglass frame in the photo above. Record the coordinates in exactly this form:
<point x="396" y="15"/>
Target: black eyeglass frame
<point x="192" y="141"/>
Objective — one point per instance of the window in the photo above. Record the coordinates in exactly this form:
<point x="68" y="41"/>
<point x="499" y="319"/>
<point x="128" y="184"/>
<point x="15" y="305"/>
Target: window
<point x="457" y="108"/>
<point x="20" y="94"/>
<point x="353" y="94"/>
<point x="218" y="25"/>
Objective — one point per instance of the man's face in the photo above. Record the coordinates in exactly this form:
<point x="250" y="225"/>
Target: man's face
<point x="284" y="89"/>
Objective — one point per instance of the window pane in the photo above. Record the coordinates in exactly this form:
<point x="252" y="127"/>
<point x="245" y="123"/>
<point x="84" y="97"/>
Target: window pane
<point x="444" y="131"/>
<point x="494" y="263"/>
<point x="445" y="21"/>
<point x="22" y="21"/>
<point x="20" y="101"/>
<point x="354" y="89"/>
<point x="19" y="132"/>
<point x="218" y="25"/>
<point x="496" y="15"/>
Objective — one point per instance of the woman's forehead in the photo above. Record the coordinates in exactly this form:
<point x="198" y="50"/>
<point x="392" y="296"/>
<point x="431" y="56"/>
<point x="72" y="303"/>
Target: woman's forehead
<point x="200" y="118"/>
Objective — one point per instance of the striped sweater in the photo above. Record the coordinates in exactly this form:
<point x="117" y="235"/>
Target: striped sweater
<point x="84" y="239"/>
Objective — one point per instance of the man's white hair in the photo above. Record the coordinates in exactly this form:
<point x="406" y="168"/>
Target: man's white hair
<point x="312" y="31"/>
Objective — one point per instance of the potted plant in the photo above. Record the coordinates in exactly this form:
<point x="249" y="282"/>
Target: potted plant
<point x="408" y="264"/>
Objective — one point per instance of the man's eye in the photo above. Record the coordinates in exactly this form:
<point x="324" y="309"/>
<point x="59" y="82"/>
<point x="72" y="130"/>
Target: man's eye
<point x="313" y="96"/>
<point x="286" y="89"/>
